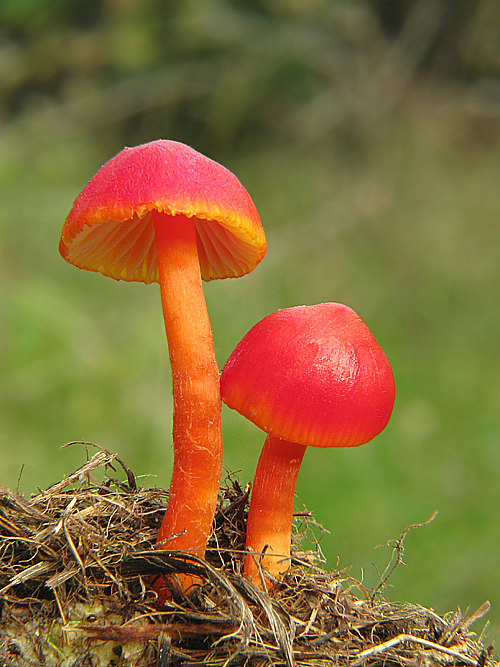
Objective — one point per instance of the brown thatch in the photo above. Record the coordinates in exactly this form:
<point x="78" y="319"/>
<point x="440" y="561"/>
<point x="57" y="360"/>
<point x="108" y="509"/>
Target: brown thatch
<point x="77" y="562"/>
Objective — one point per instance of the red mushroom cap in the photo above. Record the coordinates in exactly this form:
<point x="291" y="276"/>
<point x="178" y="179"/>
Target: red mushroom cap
<point x="109" y="228"/>
<point x="312" y="375"/>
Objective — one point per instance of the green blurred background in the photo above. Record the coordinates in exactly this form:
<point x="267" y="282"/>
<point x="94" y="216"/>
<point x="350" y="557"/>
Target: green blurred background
<point x="367" y="133"/>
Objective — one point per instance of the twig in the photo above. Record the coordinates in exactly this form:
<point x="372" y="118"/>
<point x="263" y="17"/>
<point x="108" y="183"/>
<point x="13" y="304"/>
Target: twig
<point x="397" y="555"/>
<point x="136" y="632"/>
<point x="97" y="461"/>
<point x="395" y="641"/>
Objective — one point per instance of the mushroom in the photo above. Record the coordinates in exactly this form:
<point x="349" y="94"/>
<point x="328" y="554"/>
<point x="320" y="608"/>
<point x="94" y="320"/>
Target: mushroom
<point x="162" y="212"/>
<point x="308" y="376"/>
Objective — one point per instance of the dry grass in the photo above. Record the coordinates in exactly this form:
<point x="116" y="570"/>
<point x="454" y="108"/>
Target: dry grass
<point x="77" y="561"/>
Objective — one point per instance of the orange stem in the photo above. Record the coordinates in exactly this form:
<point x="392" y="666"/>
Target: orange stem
<point x="197" y="433"/>
<point x="269" y="524"/>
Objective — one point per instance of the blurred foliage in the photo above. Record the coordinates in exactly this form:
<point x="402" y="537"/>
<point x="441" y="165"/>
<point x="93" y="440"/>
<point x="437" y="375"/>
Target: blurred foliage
<point x="368" y="135"/>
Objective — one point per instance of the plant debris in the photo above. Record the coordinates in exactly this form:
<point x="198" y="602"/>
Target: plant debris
<point x="77" y="562"/>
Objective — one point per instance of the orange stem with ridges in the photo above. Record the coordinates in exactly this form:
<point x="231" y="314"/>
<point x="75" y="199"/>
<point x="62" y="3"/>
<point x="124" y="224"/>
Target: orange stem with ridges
<point x="197" y="433"/>
<point x="269" y="524"/>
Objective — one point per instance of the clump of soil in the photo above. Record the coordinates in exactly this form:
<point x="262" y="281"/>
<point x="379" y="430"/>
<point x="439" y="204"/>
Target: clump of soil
<point x="77" y="562"/>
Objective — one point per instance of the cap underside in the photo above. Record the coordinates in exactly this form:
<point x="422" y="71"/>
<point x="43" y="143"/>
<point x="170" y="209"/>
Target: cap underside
<point x="126" y="249"/>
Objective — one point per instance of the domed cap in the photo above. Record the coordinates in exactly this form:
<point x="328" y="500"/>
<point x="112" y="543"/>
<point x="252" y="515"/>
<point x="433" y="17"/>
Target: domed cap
<point x="109" y="228"/>
<point x="312" y="375"/>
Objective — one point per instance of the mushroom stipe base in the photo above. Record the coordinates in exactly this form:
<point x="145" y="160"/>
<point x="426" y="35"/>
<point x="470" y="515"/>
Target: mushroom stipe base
<point x="76" y="564"/>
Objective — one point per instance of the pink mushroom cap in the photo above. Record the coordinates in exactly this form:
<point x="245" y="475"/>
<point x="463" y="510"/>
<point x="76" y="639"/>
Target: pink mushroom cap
<point x="110" y="230"/>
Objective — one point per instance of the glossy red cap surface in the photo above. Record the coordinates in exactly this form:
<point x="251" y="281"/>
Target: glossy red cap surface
<point x="313" y="375"/>
<point x="109" y="228"/>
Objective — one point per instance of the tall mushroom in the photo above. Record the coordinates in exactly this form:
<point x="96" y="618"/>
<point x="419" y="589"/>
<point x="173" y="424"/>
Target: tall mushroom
<point x="309" y="375"/>
<point x="162" y="212"/>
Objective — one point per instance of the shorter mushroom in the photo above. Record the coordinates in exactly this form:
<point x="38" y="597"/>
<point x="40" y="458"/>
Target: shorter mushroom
<point x="309" y="375"/>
